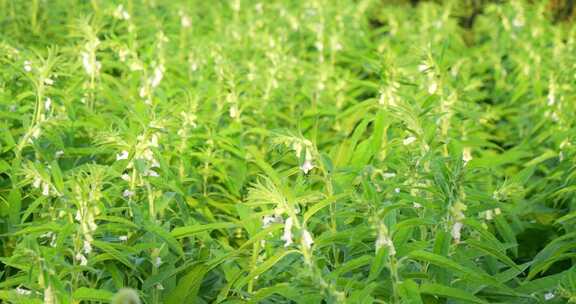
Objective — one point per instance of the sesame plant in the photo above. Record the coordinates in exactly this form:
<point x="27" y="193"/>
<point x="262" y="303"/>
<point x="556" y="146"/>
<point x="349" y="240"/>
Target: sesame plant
<point x="322" y="151"/>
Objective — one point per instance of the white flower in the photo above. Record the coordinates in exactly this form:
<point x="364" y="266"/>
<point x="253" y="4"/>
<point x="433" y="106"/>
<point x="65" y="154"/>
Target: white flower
<point x="518" y="21"/>
<point x="58" y="153"/>
<point x="233" y="111"/>
<point x="87" y="247"/>
<point x="46" y="189"/>
<point x="409" y="140"/>
<point x="489" y="215"/>
<point x="136" y="66"/>
<point x="307" y="166"/>
<point x="287" y="236"/>
<point x="397" y="190"/>
<point x="153" y="173"/>
<point x="456" y="228"/>
<point x="155" y="164"/>
<point x="307" y="239"/>
<point x="48" y="81"/>
<point x="121" y="13"/>
<point x="91" y="67"/>
<point x="36" y="132"/>
<point x="47" y="103"/>
<point x="23" y="292"/>
<point x="125" y="177"/>
<point x="384" y="240"/>
<point x="82" y="259"/>
<point x="158" y="75"/>
<point x="122" y="155"/>
<point x="551" y="98"/>
<point x="153" y="142"/>
<point x="27" y="66"/>
<point x="185" y="21"/>
<point x="127" y="193"/>
<point x="157" y="262"/>
<point x="122" y="54"/>
<point x="416" y="205"/>
<point x="259" y="8"/>
<point x="549" y="296"/>
<point x="36" y="183"/>
<point x="388" y="175"/>
<point x="466" y="154"/>
<point x="123" y="238"/>
<point x="423" y="67"/>
<point x="433" y="87"/>
<point x="159" y="286"/>
<point x="270" y="219"/>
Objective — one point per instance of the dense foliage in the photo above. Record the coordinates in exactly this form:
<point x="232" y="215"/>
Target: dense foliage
<point x="323" y="151"/>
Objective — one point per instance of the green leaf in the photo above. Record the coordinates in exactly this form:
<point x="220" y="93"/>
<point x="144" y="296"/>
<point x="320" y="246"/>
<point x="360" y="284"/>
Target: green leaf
<point x="109" y="249"/>
<point x="322" y="204"/>
<point x="466" y="273"/>
<point x="409" y="292"/>
<point x="165" y="236"/>
<point x="186" y="231"/>
<point x="492" y="251"/>
<point x="283" y="289"/>
<point x="187" y="288"/>
<point x="14" y="206"/>
<point x="449" y="292"/>
<point x="263" y="267"/>
<point x="91" y="294"/>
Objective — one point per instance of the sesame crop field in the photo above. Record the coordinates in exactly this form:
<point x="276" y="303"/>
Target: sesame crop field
<point x="283" y="151"/>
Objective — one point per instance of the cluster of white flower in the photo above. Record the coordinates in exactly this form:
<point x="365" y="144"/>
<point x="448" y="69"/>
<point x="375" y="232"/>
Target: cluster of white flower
<point x="409" y="140"/>
<point x="23" y="292"/>
<point x="121" y="13"/>
<point x="383" y="240"/>
<point x="307" y="240"/>
<point x="50" y="236"/>
<point x="234" y="110"/>
<point x="81" y="258"/>
<point x="91" y="65"/>
<point x="85" y="215"/>
<point x="151" y="83"/>
<point x="489" y="214"/>
<point x="287" y="236"/>
<point x="122" y="155"/>
<point x="87" y="212"/>
<point x="27" y="66"/>
<point x="519" y="19"/>
<point x="457" y="212"/>
<point x="185" y="20"/>
<point x="427" y="68"/>
<point x="142" y="151"/>
<point x="271" y="219"/>
<point x="388" y="94"/>
<point x="47" y="188"/>
<point x="299" y="147"/>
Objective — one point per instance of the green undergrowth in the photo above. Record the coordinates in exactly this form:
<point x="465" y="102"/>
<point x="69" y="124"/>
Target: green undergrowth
<point x="323" y="151"/>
